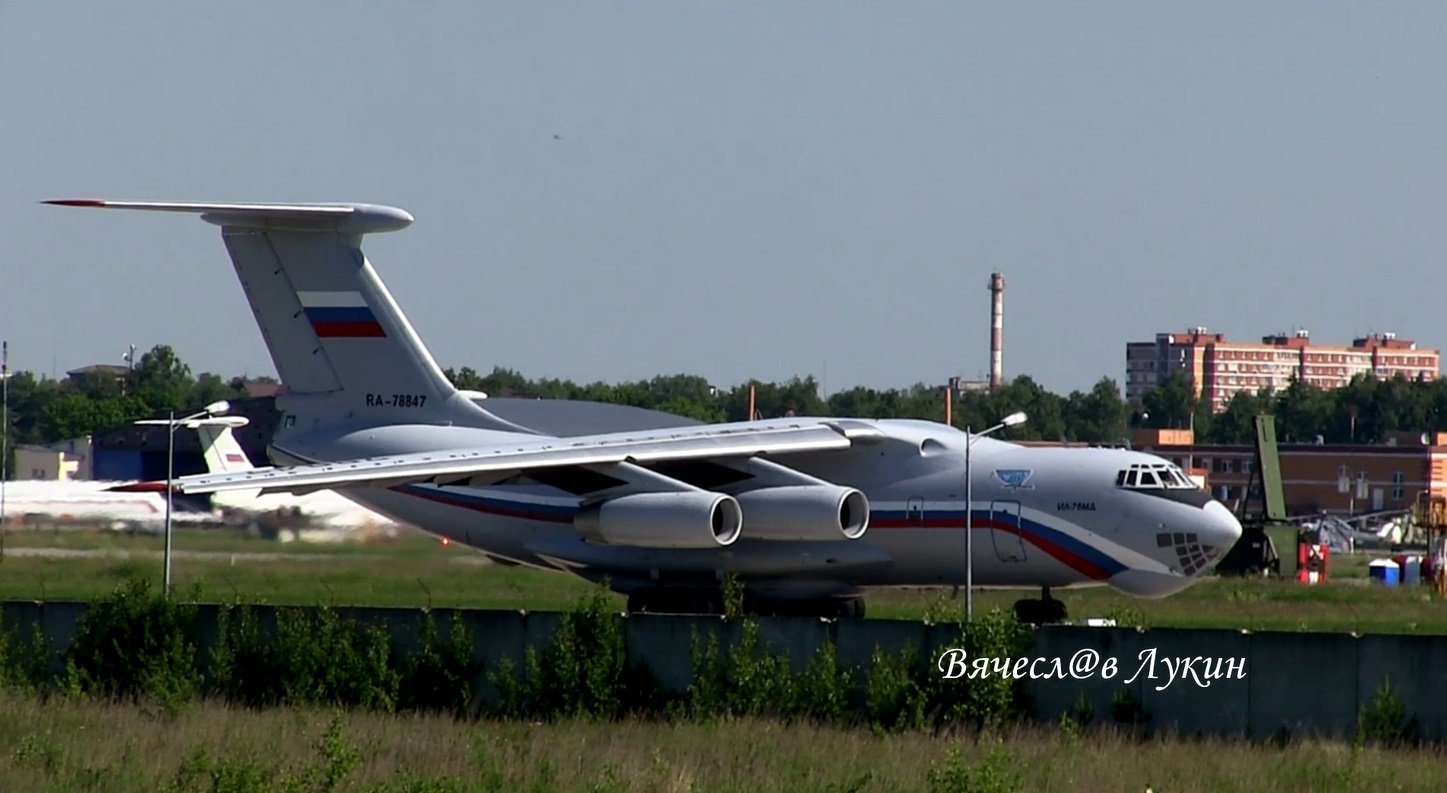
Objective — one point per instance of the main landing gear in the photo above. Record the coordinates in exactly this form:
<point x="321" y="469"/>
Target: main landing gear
<point x="1044" y="611"/>
<point x="711" y="602"/>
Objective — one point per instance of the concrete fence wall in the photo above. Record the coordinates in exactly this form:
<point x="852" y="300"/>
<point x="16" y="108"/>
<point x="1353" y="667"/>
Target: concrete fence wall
<point x="1238" y="683"/>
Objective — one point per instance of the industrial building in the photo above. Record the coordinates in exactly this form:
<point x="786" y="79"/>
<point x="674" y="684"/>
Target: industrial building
<point x="55" y="462"/>
<point x="1340" y="479"/>
<point x="131" y="453"/>
<point x="1219" y="369"/>
<point x="959" y="386"/>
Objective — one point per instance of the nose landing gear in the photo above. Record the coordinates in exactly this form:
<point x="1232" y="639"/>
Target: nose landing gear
<point x="1044" y="611"/>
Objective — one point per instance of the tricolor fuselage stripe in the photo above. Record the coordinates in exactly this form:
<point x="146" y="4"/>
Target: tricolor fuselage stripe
<point x="528" y="510"/>
<point x="1079" y="555"/>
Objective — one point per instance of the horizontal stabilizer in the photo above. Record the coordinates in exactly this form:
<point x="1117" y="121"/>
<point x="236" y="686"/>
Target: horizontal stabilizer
<point x="355" y="218"/>
<point x="191" y="424"/>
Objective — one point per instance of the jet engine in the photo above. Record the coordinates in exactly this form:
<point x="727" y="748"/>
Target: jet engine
<point x="805" y="512"/>
<point x="663" y="520"/>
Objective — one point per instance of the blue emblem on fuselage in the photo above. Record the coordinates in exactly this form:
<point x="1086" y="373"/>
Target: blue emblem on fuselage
<point x="1015" y="478"/>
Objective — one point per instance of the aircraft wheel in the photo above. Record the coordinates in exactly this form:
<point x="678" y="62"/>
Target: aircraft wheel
<point x="1040" y="612"/>
<point x="681" y="602"/>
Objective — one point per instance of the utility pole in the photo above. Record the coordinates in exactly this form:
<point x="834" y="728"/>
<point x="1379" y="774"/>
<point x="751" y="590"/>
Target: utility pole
<point x="130" y="357"/>
<point x="4" y="436"/>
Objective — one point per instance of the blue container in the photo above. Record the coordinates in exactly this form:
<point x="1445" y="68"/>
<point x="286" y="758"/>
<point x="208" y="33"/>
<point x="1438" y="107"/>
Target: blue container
<point x="1411" y="570"/>
<point x="1385" y="572"/>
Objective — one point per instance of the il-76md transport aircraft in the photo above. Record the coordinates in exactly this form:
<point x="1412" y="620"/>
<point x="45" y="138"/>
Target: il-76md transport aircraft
<point x="806" y="512"/>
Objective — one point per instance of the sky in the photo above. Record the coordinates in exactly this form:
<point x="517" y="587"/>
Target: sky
<point x="610" y="191"/>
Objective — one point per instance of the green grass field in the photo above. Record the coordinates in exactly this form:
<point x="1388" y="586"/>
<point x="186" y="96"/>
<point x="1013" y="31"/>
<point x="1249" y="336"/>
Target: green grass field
<point x="73" y="745"/>
<point x="415" y="570"/>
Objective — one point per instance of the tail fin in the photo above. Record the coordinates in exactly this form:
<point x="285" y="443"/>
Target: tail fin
<point x="223" y="453"/>
<point x="341" y="345"/>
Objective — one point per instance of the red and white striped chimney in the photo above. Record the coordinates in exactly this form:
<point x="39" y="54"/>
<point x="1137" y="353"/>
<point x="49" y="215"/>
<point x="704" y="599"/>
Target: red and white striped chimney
<point x="997" y="330"/>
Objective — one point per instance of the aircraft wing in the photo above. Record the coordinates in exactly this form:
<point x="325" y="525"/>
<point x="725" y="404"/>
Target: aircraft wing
<point x="487" y="465"/>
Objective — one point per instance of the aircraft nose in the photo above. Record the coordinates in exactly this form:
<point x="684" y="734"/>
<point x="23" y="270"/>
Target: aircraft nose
<point x="1220" y="530"/>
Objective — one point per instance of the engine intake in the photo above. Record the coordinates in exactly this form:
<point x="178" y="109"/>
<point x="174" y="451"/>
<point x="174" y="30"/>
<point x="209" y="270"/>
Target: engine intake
<point x="663" y="520"/>
<point x="805" y="512"/>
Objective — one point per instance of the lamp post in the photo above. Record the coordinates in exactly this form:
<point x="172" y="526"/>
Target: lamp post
<point x="1011" y="420"/>
<point x="171" y="424"/>
<point x="4" y="437"/>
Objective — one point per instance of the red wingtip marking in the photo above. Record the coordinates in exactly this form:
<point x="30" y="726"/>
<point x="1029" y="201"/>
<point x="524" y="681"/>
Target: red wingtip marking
<point x="76" y="202"/>
<point x="139" y="487"/>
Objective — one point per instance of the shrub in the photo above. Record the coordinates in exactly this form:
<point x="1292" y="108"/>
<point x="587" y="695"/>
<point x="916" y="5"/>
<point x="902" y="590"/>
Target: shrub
<point x="1384" y="720"/>
<point x="310" y="656"/>
<point x="996" y="773"/>
<point x="136" y="645"/>
<point x="583" y="672"/>
<point x="25" y="663"/>
<point x="742" y="680"/>
<point x="439" y="675"/>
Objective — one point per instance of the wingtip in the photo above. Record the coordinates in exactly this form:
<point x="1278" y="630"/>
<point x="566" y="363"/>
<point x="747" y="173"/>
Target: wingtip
<point x="138" y="487"/>
<point x="75" y="202"/>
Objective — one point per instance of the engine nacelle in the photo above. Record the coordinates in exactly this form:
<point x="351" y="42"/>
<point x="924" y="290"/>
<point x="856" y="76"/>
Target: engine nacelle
<point x="805" y="512"/>
<point x="663" y="520"/>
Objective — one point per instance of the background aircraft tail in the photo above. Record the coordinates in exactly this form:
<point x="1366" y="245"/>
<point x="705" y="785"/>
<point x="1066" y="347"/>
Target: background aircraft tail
<point x="341" y="345"/>
<point x="323" y="509"/>
<point x="223" y="453"/>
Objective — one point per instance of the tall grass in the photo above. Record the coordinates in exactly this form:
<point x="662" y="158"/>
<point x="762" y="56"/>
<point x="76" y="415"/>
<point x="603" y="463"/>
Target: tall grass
<point x="67" y="745"/>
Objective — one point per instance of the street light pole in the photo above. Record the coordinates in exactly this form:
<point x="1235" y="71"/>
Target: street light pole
<point x="4" y="438"/>
<point x="172" y="423"/>
<point x="969" y="532"/>
<point x="1011" y="420"/>
<point x="170" y="474"/>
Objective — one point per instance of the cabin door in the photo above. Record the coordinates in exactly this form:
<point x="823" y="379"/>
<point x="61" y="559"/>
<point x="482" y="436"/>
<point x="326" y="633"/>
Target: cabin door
<point x="1005" y="531"/>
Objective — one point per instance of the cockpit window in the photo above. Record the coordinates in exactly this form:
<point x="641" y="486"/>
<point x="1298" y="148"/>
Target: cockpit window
<point x="1153" y="476"/>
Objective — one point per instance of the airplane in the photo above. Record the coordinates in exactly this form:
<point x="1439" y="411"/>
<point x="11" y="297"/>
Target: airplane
<point x="324" y="513"/>
<point x="806" y="513"/>
<point x="91" y="502"/>
<point x="82" y="501"/>
<point x="322" y="509"/>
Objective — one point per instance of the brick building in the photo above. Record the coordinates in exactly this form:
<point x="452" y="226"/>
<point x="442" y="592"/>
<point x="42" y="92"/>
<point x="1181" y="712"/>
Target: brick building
<point x="1219" y="369"/>
<point x="1317" y="478"/>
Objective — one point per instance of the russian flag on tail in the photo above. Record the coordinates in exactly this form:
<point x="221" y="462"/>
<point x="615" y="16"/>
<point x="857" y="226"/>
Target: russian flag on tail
<point x="340" y="315"/>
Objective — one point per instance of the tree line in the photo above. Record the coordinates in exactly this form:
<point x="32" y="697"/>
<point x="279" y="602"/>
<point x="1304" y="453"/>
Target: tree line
<point x="1096" y="416"/>
<point x="48" y="410"/>
<point x="1363" y="411"/>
